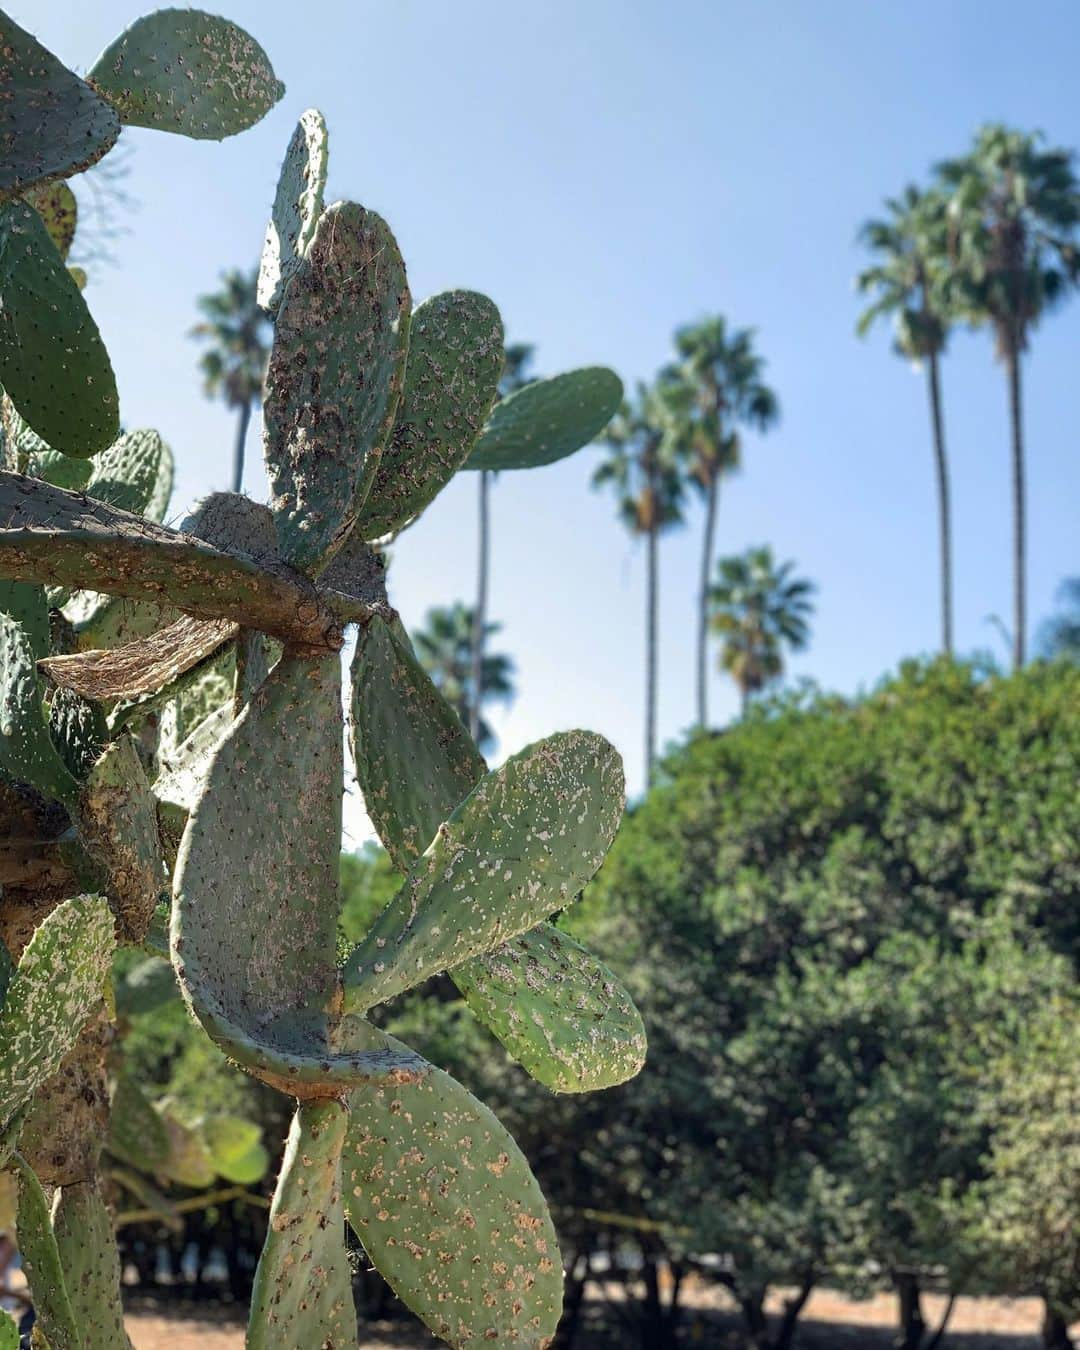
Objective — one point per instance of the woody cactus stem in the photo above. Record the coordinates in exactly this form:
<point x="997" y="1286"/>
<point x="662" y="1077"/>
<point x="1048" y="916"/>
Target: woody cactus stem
<point x="196" y="754"/>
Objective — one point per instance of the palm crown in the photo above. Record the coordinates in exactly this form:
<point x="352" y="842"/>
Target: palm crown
<point x="237" y="333"/>
<point x="445" y="649"/>
<point x="641" y="467"/>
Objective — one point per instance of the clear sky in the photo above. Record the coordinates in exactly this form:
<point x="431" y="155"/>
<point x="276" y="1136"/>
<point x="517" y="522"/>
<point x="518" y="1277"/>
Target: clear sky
<point x="605" y="170"/>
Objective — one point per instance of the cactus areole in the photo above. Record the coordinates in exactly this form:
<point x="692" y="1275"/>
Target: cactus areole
<point x="171" y="750"/>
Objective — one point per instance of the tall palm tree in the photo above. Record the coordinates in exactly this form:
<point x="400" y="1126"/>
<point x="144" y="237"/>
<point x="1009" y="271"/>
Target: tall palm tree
<point x="1014" y="216"/>
<point x="238" y="333"/>
<point x="758" y="610"/>
<point x="446" y="650"/>
<point x="642" y="470"/>
<point x="911" y="284"/>
<point x="725" y="374"/>
<point x="516" y="362"/>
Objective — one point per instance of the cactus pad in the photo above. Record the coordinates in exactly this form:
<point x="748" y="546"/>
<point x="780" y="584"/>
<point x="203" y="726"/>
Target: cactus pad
<point x="562" y="1015"/>
<point x="548" y="420"/>
<point x="41" y="1260"/>
<point x="136" y="1133"/>
<point x="185" y="71"/>
<point x="91" y="1265"/>
<point x="236" y="1148"/>
<point x="303" y="1286"/>
<point x="455" y="360"/>
<point x="27" y="752"/>
<point x="414" y="759"/>
<point x="53" y="363"/>
<point x="78" y="730"/>
<point x="56" y="205"/>
<point x="134" y="474"/>
<point x="53" y="991"/>
<point x="449" y="1211"/>
<point x="117" y="820"/>
<point x="54" y="123"/>
<point x="298" y="204"/>
<point x="334" y="379"/>
<point x="254" y="928"/>
<point x="521" y="845"/>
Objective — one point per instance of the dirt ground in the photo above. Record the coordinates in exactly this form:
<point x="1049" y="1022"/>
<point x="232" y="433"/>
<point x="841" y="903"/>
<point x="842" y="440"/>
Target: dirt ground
<point x="829" y="1322"/>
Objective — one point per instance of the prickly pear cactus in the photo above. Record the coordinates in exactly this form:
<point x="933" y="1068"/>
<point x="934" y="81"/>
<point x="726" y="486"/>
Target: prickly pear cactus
<point x="173" y="742"/>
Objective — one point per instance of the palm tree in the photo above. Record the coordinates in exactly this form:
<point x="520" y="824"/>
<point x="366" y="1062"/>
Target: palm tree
<point x="445" y="649"/>
<point x="758" y="610"/>
<point x="1060" y="636"/>
<point x="516" y="362"/>
<point x="1014" y="217"/>
<point x="725" y="374"/>
<point x="642" y="470"/>
<point x="911" y="284"/>
<point x="234" y="363"/>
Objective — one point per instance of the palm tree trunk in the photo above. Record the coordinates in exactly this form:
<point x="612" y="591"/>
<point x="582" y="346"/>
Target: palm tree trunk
<point x="652" y="559"/>
<point x="1019" y="509"/>
<point x="480" y="610"/>
<point x="708" y="544"/>
<point x="944" y="521"/>
<point x="238" y="448"/>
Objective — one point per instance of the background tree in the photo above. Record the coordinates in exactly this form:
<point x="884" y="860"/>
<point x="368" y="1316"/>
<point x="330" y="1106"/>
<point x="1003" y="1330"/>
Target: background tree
<point x="518" y="359"/>
<point x="1060" y="636"/>
<point x="758" y="610"/>
<point x="237" y="333"/>
<point x="724" y="374"/>
<point x="445" y="648"/>
<point x="1014" y="214"/>
<point x="910" y="284"/>
<point x="642" y="470"/>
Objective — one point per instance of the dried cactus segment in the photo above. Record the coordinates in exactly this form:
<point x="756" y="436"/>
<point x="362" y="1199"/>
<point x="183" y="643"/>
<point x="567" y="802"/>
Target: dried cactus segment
<point x="548" y="419"/>
<point x="185" y="71"/>
<point x="521" y="845"/>
<point x="303" y="1286"/>
<point x="298" y="204"/>
<point x="117" y="819"/>
<point x="53" y="991"/>
<point x="27" y="752"/>
<point x="449" y="1211"/>
<point x="41" y="1261"/>
<point x="61" y="538"/>
<point x="56" y="205"/>
<point x="134" y="474"/>
<point x="54" y="123"/>
<point x="455" y="360"/>
<point x="53" y="363"/>
<point x="334" y="380"/>
<point x="415" y="761"/>
<point x="558" y="1011"/>
<point x="78" y="730"/>
<point x="91" y="1265"/>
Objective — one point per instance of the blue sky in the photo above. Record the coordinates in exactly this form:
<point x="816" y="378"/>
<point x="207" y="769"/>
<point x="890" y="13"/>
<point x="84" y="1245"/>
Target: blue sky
<point x="605" y="170"/>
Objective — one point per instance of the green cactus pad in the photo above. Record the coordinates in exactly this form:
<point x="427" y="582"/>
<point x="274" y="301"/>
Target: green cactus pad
<point x="61" y="470"/>
<point x="149" y="985"/>
<point x="136" y="1133"/>
<point x="188" y="1161"/>
<point x="134" y="474"/>
<point x="414" y="759"/>
<point x="548" y="420"/>
<point x="303" y="1286"/>
<point x="334" y="380"/>
<point x="298" y="204"/>
<point x="41" y="1261"/>
<point x="455" y="360"/>
<point x="54" y="123"/>
<point x="53" y="363"/>
<point x="56" y="205"/>
<point x="61" y="538"/>
<point x="521" y="845"/>
<point x="78" y="730"/>
<point x="185" y="71"/>
<point x="27" y="752"/>
<point x="117" y="818"/>
<point x="562" y="1015"/>
<point x="254" y="927"/>
<point x="91" y="1265"/>
<point x="53" y="991"/>
<point x="449" y="1212"/>
<point x="183" y="771"/>
<point x="236" y="1148"/>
